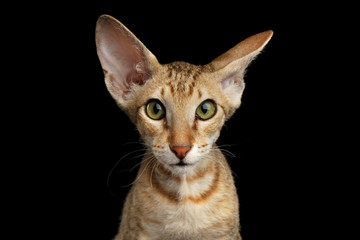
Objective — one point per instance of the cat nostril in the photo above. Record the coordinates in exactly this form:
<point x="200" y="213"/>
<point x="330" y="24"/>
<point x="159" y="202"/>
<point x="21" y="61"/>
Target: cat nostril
<point x="180" y="151"/>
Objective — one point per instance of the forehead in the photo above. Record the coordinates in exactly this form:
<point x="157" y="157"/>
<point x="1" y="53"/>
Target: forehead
<point x="176" y="83"/>
<point x="181" y="78"/>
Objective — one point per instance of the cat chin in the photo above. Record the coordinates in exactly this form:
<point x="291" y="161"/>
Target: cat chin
<point x="182" y="169"/>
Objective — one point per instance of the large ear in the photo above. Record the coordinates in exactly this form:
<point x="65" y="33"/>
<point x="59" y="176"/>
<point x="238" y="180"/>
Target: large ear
<point x="126" y="62"/>
<point x="230" y="67"/>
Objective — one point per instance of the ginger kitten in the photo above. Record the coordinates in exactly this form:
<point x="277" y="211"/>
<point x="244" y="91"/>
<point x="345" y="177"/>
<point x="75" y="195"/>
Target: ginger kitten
<point x="184" y="188"/>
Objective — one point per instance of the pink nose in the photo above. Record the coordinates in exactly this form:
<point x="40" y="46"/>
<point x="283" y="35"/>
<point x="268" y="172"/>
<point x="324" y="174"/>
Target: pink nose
<point x="180" y="151"/>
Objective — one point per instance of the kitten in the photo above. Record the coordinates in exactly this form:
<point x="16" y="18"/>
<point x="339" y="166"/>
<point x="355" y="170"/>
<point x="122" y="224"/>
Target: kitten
<point x="184" y="188"/>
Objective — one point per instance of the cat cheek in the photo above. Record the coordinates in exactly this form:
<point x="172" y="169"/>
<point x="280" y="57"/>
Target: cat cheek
<point x="143" y="135"/>
<point x="212" y="139"/>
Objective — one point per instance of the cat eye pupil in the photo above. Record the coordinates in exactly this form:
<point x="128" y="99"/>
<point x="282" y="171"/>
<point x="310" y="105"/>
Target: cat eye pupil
<point x="205" y="107"/>
<point x="156" y="108"/>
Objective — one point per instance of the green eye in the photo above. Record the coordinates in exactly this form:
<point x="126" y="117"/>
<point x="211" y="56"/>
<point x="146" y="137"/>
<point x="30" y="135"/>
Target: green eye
<point x="206" y="110"/>
<point x="155" y="110"/>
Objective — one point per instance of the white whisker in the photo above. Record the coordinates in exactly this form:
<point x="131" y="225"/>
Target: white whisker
<point x="228" y="145"/>
<point x="117" y="163"/>
<point x="150" y="160"/>
<point x="152" y="171"/>
<point x="227" y="152"/>
<point x="136" y="165"/>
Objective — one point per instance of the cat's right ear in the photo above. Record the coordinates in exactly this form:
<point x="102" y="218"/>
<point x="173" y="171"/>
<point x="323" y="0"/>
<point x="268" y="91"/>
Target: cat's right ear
<point x="126" y="62"/>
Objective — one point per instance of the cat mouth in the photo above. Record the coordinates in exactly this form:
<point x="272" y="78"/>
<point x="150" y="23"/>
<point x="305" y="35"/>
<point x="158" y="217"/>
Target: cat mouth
<point x="181" y="164"/>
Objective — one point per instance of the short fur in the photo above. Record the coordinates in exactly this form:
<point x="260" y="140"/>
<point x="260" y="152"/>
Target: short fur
<point x="196" y="200"/>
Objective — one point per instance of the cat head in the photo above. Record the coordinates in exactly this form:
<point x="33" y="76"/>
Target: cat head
<point x="178" y="108"/>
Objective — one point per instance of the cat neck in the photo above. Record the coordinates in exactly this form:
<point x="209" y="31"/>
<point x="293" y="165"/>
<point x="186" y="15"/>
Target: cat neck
<point x="196" y="186"/>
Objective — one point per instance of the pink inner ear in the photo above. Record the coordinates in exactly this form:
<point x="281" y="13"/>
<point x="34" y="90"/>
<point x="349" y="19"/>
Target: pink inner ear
<point x="226" y="83"/>
<point x="137" y="75"/>
<point x="121" y="56"/>
<point x="136" y="78"/>
<point x="124" y="56"/>
<point x="232" y="81"/>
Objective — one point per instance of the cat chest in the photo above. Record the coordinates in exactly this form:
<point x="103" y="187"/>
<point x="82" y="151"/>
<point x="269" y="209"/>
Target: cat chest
<point x="186" y="218"/>
<point x="189" y="217"/>
<point x="192" y="206"/>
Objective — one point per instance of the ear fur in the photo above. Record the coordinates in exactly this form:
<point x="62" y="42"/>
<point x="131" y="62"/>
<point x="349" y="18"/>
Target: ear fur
<point x="126" y="62"/>
<point x="230" y="67"/>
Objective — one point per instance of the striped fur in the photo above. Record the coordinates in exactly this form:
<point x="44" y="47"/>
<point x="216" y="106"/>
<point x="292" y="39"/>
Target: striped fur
<point x="197" y="199"/>
<point x="162" y="205"/>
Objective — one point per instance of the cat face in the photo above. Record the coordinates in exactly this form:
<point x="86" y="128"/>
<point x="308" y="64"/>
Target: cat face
<point x="180" y="117"/>
<point x="178" y="108"/>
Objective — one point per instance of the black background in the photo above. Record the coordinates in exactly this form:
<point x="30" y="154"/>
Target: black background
<point x="72" y="134"/>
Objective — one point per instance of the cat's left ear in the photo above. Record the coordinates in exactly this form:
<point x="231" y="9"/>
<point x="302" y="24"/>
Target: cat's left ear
<point x="230" y="67"/>
<point x="126" y="62"/>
